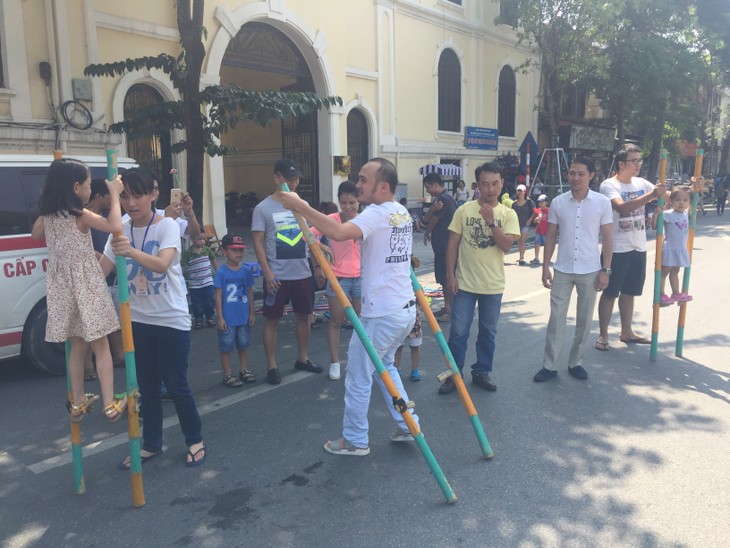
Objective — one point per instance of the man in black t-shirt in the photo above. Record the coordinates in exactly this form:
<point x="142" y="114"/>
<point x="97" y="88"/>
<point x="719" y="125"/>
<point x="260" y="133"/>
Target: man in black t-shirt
<point x="437" y="219"/>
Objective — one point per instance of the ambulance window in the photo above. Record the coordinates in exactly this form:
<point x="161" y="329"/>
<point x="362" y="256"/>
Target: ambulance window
<point x="14" y="218"/>
<point x="32" y="180"/>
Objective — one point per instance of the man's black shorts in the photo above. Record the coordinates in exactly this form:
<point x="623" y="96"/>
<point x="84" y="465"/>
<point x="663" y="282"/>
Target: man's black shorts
<point x="439" y="268"/>
<point x="628" y="272"/>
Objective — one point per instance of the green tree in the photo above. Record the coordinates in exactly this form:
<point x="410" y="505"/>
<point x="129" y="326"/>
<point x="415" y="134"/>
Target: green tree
<point x="204" y="114"/>
<point x="562" y="32"/>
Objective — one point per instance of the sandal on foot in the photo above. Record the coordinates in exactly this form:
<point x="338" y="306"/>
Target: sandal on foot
<point x="232" y="382"/>
<point x="247" y="376"/>
<point x="126" y="464"/>
<point x="114" y="410"/>
<point x="192" y="463"/>
<point x="77" y="412"/>
<point x="343" y="447"/>
<point x="602" y="346"/>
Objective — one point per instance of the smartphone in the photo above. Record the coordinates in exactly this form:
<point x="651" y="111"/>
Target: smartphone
<point x="176" y="195"/>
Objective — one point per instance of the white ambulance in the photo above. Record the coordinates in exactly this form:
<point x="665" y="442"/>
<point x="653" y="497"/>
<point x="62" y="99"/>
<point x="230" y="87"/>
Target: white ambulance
<point x="23" y="260"/>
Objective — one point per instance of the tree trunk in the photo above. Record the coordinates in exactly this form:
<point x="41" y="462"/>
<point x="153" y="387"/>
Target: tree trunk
<point x="191" y="29"/>
<point x="656" y="146"/>
<point x="722" y="167"/>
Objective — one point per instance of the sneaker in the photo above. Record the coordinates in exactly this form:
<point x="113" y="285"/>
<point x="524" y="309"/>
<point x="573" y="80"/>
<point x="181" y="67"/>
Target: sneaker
<point x="544" y="375"/>
<point x="664" y="300"/>
<point x="482" y="380"/>
<point x="272" y="376"/>
<point x="444" y="318"/>
<point x="578" y="372"/>
<point x="448" y="387"/>
<point x="198" y="324"/>
<point x="535" y="262"/>
<point x="415" y="375"/>
<point x="307" y="366"/>
<point x="210" y="322"/>
<point x="334" y="373"/>
<point x="682" y="298"/>
<point x="522" y="263"/>
<point x="399" y="436"/>
<point x="440" y="312"/>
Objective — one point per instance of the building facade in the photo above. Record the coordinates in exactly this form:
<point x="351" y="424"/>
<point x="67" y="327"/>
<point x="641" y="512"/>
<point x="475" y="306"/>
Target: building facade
<point x="413" y="76"/>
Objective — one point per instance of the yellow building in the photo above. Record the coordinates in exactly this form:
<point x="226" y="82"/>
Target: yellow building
<point x="413" y="75"/>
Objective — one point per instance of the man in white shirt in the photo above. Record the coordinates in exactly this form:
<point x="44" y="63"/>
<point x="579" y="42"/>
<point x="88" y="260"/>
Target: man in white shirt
<point x="628" y="193"/>
<point x="578" y="219"/>
<point x="388" y="303"/>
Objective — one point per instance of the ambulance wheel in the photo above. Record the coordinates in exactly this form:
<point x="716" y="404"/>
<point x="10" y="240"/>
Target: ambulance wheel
<point x="49" y="358"/>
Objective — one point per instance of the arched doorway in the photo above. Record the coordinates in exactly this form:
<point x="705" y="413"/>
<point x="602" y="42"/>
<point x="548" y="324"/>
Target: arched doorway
<point x="260" y="57"/>
<point x="358" y="140"/>
<point x="151" y="150"/>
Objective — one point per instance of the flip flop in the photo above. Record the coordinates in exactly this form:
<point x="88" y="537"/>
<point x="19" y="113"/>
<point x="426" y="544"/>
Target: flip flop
<point x="602" y="346"/>
<point x="193" y="463"/>
<point x="342" y="447"/>
<point x="636" y="340"/>
<point x="124" y="465"/>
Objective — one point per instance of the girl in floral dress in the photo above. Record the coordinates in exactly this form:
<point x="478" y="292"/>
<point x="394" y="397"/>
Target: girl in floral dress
<point x="80" y="308"/>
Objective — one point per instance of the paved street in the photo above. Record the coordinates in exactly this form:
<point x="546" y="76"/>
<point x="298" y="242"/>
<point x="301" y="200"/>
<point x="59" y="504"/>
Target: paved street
<point x="637" y="455"/>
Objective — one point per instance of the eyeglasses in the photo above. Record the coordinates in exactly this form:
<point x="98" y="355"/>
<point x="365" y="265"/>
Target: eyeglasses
<point x="635" y="161"/>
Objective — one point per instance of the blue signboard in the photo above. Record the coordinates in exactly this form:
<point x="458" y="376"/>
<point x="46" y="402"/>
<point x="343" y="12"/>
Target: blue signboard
<point x="484" y="138"/>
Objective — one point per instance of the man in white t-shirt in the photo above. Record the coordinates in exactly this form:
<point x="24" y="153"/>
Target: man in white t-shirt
<point x="388" y="303"/>
<point x="628" y="193"/>
<point x="579" y="220"/>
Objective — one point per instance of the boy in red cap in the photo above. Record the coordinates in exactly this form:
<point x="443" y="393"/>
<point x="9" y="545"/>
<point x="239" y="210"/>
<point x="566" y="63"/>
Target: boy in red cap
<point x="234" y="307"/>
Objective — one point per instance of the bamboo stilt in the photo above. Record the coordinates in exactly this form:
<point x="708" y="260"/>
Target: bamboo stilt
<point x="466" y="401"/>
<point x="690" y="245"/>
<point x="135" y="456"/>
<point x="658" y="261"/>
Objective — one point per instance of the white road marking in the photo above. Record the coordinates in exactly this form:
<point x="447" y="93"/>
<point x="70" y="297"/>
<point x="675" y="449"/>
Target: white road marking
<point x="119" y="439"/>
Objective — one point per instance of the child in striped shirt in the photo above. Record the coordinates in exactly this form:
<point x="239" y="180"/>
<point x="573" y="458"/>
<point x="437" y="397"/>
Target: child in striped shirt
<point x="199" y="267"/>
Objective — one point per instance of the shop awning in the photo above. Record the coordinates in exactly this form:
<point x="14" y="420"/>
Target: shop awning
<point x="441" y="169"/>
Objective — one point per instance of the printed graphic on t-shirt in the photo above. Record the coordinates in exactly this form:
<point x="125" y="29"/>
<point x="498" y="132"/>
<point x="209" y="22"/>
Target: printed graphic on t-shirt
<point x="476" y="236"/>
<point x="143" y="282"/>
<point x="289" y="238"/>
<point x="401" y="235"/>
<point x="634" y="220"/>
<point x="682" y="225"/>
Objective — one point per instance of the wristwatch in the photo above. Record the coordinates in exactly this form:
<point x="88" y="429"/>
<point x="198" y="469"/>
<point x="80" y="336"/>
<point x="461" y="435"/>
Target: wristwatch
<point x="606" y="270"/>
<point x="492" y="225"/>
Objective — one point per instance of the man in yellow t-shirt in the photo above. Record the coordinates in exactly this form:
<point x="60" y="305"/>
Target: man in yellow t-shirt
<point x="479" y="235"/>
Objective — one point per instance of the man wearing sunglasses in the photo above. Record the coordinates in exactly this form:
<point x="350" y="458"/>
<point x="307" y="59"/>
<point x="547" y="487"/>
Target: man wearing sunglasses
<point x="628" y="193"/>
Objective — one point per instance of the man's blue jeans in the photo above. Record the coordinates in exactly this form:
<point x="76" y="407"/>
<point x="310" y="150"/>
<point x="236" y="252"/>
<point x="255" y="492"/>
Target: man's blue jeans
<point x="462" y="314"/>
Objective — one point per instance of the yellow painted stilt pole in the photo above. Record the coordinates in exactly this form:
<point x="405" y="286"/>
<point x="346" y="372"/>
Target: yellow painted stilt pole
<point x="74" y="427"/>
<point x="658" y="260"/>
<point x="453" y="370"/>
<point x="135" y="456"/>
<point x="697" y="187"/>
<point x="403" y="407"/>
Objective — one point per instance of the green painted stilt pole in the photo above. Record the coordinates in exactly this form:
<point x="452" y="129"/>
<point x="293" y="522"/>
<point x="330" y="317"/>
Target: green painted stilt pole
<point x="76" y="447"/>
<point x="135" y="457"/>
<point x="658" y="261"/>
<point x="401" y="406"/>
<point x="453" y="370"/>
<point x="696" y="189"/>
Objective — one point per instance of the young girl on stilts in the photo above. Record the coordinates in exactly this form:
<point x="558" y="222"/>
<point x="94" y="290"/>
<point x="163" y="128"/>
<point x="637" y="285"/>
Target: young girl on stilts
<point x="79" y="305"/>
<point x="674" y="248"/>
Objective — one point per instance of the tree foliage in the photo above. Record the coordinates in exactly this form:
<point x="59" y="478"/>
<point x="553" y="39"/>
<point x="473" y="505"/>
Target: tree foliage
<point x="204" y="114"/>
<point x="649" y="63"/>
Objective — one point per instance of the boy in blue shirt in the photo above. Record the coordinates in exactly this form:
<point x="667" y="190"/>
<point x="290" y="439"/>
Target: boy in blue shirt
<point x="235" y="310"/>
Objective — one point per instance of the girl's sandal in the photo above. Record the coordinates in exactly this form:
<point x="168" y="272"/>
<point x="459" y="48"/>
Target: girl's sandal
<point x="114" y="410"/>
<point x="77" y="412"/>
